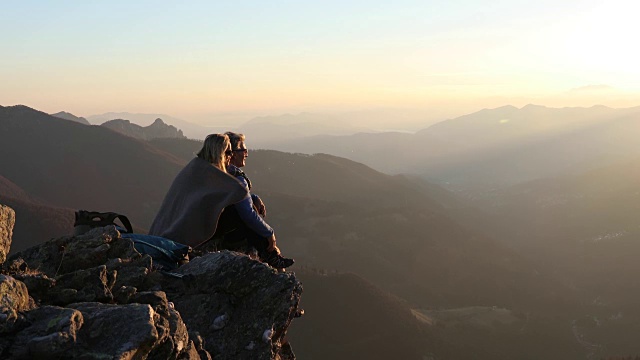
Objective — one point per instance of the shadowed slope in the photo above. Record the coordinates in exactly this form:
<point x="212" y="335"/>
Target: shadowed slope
<point x="586" y="226"/>
<point x="346" y="315"/>
<point x="35" y="221"/>
<point x="83" y="167"/>
<point x="184" y="149"/>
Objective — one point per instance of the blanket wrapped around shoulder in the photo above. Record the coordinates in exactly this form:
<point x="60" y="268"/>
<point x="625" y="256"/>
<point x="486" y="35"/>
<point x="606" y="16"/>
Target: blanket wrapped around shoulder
<point x="190" y="211"/>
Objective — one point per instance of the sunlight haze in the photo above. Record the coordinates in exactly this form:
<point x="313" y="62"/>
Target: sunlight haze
<point x="209" y="61"/>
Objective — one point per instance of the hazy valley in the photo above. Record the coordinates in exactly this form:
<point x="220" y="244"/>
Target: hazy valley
<point x="507" y="233"/>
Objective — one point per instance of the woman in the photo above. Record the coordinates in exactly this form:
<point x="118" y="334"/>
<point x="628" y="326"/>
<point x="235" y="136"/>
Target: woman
<point x="190" y="210"/>
<point x="216" y="149"/>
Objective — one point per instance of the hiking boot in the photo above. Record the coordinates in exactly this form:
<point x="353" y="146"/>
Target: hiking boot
<point x="278" y="261"/>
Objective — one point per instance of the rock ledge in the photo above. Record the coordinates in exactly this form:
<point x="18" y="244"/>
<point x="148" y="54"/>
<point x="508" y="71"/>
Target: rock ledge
<point x="94" y="296"/>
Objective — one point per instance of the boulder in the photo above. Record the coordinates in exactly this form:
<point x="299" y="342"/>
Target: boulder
<point x="51" y="334"/>
<point x="14" y="296"/>
<point x="14" y="299"/>
<point x="130" y="331"/>
<point x="245" y="312"/>
<point x="7" y="221"/>
<point x="102" y="331"/>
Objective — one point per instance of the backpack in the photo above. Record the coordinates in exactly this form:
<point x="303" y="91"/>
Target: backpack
<point x="87" y="220"/>
<point x="166" y="254"/>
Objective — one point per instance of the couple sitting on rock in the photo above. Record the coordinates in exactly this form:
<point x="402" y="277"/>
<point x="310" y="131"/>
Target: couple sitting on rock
<point x="210" y="200"/>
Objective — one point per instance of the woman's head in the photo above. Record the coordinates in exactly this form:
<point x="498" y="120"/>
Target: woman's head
<point x="216" y="149"/>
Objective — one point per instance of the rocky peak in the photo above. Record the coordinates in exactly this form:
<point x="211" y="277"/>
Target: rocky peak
<point x="94" y="296"/>
<point x="159" y="129"/>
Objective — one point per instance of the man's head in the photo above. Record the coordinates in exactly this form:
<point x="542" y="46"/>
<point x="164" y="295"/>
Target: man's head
<point x="240" y="151"/>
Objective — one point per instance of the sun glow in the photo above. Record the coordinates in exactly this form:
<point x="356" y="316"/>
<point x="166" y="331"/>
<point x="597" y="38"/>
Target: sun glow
<point x="601" y="42"/>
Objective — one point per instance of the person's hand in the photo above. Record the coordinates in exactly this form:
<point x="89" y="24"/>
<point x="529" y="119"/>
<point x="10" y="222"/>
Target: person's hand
<point x="260" y="208"/>
<point x="272" y="244"/>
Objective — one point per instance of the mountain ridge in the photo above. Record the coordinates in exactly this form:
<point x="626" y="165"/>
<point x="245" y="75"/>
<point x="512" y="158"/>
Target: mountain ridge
<point x="467" y="148"/>
<point x="158" y="129"/>
<point x="190" y="130"/>
<point x="68" y="116"/>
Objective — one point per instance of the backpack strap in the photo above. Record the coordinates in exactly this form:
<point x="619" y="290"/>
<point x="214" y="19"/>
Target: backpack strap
<point x="125" y="221"/>
<point x="97" y="219"/>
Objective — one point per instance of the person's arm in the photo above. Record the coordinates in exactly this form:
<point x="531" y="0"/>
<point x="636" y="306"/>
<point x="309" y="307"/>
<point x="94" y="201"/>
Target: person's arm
<point x="250" y="217"/>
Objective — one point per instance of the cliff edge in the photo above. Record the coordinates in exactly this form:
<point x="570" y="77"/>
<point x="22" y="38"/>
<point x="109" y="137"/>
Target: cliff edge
<point x="94" y="297"/>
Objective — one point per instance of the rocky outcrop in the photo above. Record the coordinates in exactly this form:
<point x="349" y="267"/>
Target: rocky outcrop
<point x="237" y="314"/>
<point x="154" y="131"/>
<point x="94" y="296"/>
<point x="7" y="221"/>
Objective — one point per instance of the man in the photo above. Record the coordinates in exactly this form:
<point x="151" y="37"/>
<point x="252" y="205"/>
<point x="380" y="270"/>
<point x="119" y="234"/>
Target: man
<point x="245" y="219"/>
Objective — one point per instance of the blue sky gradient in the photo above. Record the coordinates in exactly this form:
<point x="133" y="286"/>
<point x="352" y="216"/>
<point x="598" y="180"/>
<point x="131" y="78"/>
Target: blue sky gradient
<point x="266" y="57"/>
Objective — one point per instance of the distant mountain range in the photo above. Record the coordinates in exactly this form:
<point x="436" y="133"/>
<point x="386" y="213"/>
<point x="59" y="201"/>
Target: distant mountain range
<point x="264" y="131"/>
<point x="68" y="116"/>
<point x="485" y="149"/>
<point x="493" y="147"/>
<point x="156" y="130"/>
<point x="189" y="130"/>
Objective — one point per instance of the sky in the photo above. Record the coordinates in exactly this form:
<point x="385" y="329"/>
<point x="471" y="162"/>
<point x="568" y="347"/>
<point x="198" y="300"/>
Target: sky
<point x="208" y="60"/>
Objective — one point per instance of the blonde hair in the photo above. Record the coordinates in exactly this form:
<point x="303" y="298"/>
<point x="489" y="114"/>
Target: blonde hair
<point x="213" y="150"/>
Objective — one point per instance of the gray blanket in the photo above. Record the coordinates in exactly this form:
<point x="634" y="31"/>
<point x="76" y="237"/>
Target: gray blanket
<point x="190" y="210"/>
